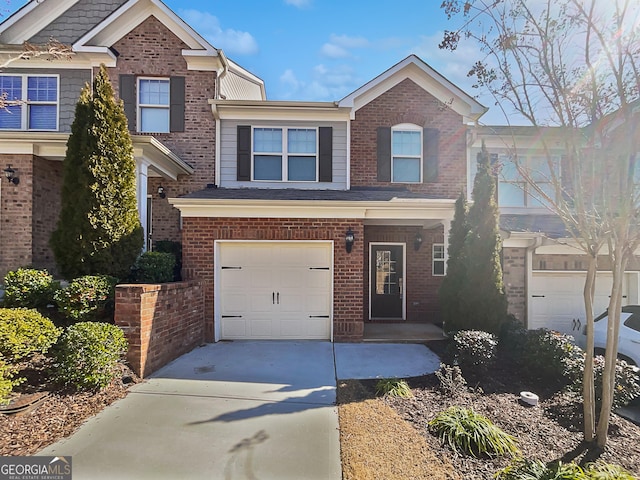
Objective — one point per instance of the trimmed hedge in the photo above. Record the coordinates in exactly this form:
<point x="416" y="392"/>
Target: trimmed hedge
<point x="24" y="332"/>
<point x="154" y="267"/>
<point x="88" y="353"/>
<point x="29" y="288"/>
<point x="88" y="298"/>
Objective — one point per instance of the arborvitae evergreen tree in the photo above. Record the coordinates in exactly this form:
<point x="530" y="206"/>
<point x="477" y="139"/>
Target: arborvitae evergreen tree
<point x="99" y="231"/>
<point x="482" y="297"/>
<point x="453" y="282"/>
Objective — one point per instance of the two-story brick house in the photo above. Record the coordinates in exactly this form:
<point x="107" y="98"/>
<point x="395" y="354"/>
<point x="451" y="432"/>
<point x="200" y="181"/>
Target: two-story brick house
<point x="303" y="219"/>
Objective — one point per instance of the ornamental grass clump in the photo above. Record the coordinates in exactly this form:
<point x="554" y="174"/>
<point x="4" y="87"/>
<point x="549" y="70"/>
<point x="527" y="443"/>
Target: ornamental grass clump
<point x="393" y="387"/>
<point x="466" y="431"/>
<point x="523" y="469"/>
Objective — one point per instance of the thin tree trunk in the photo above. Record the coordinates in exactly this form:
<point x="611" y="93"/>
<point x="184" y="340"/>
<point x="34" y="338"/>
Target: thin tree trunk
<point x="588" y="389"/>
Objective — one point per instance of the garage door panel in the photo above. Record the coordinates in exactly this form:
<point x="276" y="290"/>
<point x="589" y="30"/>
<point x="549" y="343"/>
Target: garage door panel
<point x="283" y="290"/>
<point x="557" y="300"/>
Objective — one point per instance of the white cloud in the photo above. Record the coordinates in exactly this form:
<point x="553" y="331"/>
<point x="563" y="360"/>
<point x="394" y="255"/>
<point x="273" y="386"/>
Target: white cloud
<point x="348" y="42"/>
<point x="298" y="3"/>
<point x="338" y="46"/>
<point x="324" y="83"/>
<point x="334" y="51"/>
<point x="234" y="42"/>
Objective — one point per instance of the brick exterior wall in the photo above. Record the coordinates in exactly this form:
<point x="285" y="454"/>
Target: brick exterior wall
<point x="161" y="322"/>
<point x="421" y="286"/>
<point x="153" y="50"/>
<point x="514" y="262"/>
<point x="198" y="237"/>
<point x="47" y="196"/>
<point x="16" y="214"/>
<point x="408" y="103"/>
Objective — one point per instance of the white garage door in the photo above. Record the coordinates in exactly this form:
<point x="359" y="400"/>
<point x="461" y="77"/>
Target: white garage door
<point x="557" y="302"/>
<point x="275" y="290"/>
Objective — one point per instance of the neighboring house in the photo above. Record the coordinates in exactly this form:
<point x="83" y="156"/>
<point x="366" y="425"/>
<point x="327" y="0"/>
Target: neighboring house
<point x="303" y="219"/>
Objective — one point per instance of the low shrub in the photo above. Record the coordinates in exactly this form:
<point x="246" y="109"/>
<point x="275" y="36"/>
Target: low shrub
<point x="627" y="380"/>
<point x="87" y="355"/>
<point x="154" y="267"/>
<point x="29" y="288"/>
<point x="512" y="338"/>
<point x="549" y="353"/>
<point x="466" y="431"/>
<point x="88" y="298"/>
<point x="474" y="349"/>
<point x="393" y="387"/>
<point x="24" y="332"/>
<point x="175" y="248"/>
<point x="523" y="469"/>
<point x="6" y="381"/>
<point x="452" y="383"/>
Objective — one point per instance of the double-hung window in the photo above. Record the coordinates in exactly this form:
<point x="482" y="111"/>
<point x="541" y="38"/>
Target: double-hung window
<point x="285" y="154"/>
<point x="514" y="191"/>
<point x="406" y="154"/>
<point x="33" y="102"/>
<point x="438" y="260"/>
<point x="153" y="105"/>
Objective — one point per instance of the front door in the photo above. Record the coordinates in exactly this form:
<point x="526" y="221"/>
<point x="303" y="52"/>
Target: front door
<point x="387" y="281"/>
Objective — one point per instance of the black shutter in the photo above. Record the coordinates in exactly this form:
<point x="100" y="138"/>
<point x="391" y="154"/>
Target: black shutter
<point x="176" y="114"/>
<point x="244" y="153"/>
<point x="325" y="155"/>
<point x="384" y="154"/>
<point x="128" y="96"/>
<point x="431" y="139"/>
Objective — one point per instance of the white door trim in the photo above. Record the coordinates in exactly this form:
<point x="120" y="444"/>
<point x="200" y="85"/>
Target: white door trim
<point x="404" y="275"/>
<point x="217" y="244"/>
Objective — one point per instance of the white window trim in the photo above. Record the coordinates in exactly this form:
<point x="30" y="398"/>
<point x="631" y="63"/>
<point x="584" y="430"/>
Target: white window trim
<point x="434" y="260"/>
<point x="284" y="154"/>
<point x="140" y="106"/>
<point x="409" y="127"/>
<point x="24" y="120"/>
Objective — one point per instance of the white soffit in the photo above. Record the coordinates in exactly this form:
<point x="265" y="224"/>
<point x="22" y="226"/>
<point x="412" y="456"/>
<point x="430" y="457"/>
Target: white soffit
<point x="424" y="76"/>
<point x="31" y="19"/>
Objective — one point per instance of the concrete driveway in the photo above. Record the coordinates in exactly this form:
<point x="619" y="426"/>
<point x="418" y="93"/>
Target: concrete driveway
<point x="238" y="410"/>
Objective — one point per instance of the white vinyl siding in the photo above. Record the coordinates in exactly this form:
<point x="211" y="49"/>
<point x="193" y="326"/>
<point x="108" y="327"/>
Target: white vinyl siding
<point x="228" y="155"/>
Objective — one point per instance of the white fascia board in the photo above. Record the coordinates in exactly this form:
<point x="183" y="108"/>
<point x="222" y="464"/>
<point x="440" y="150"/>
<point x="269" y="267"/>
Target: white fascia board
<point x="159" y="158"/>
<point x="202" y="61"/>
<point x="52" y="146"/>
<point x="244" y="73"/>
<point x="31" y="19"/>
<point x="534" y="141"/>
<point x="132" y="14"/>
<point x="83" y="60"/>
<point x="313" y="209"/>
<point x="279" y="111"/>
<point x="426" y="77"/>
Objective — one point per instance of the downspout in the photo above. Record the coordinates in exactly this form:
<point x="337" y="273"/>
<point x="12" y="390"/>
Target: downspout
<point x="220" y="73"/>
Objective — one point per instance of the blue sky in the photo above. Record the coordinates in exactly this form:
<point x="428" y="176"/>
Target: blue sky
<point x="322" y="50"/>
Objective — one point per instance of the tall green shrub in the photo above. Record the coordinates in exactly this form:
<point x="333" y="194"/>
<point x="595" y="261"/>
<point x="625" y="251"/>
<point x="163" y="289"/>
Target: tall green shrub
<point x="452" y="313"/>
<point x="482" y="297"/>
<point x="98" y="230"/>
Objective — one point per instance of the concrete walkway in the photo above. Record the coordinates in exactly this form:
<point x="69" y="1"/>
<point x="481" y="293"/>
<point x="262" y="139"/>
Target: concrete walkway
<point x="237" y="410"/>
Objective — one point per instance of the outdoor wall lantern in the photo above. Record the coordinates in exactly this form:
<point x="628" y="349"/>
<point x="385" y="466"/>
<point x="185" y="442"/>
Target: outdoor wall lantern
<point x="417" y="242"/>
<point x="161" y="192"/>
<point x="349" y="238"/>
<point x="10" y="173"/>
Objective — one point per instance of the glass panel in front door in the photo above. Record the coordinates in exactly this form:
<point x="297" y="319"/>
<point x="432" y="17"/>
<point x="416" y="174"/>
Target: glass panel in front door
<point x="386" y="276"/>
<point x="386" y="287"/>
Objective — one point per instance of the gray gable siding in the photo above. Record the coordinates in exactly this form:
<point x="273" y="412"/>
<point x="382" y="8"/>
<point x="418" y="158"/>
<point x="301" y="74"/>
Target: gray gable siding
<point x="77" y="21"/>
<point x="71" y="83"/>
<point x="228" y="154"/>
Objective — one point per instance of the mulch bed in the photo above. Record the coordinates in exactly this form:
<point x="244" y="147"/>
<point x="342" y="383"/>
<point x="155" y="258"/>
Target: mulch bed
<point x="549" y="431"/>
<point x="59" y="414"/>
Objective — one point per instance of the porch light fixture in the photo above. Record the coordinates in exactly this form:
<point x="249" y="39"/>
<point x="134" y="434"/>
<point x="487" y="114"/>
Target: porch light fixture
<point x="161" y="192"/>
<point x="417" y="242"/>
<point x="349" y="238"/>
<point x="10" y="173"/>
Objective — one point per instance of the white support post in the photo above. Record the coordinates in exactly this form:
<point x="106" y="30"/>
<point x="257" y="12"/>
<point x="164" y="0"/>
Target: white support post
<point x="446" y="223"/>
<point x="142" y="170"/>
